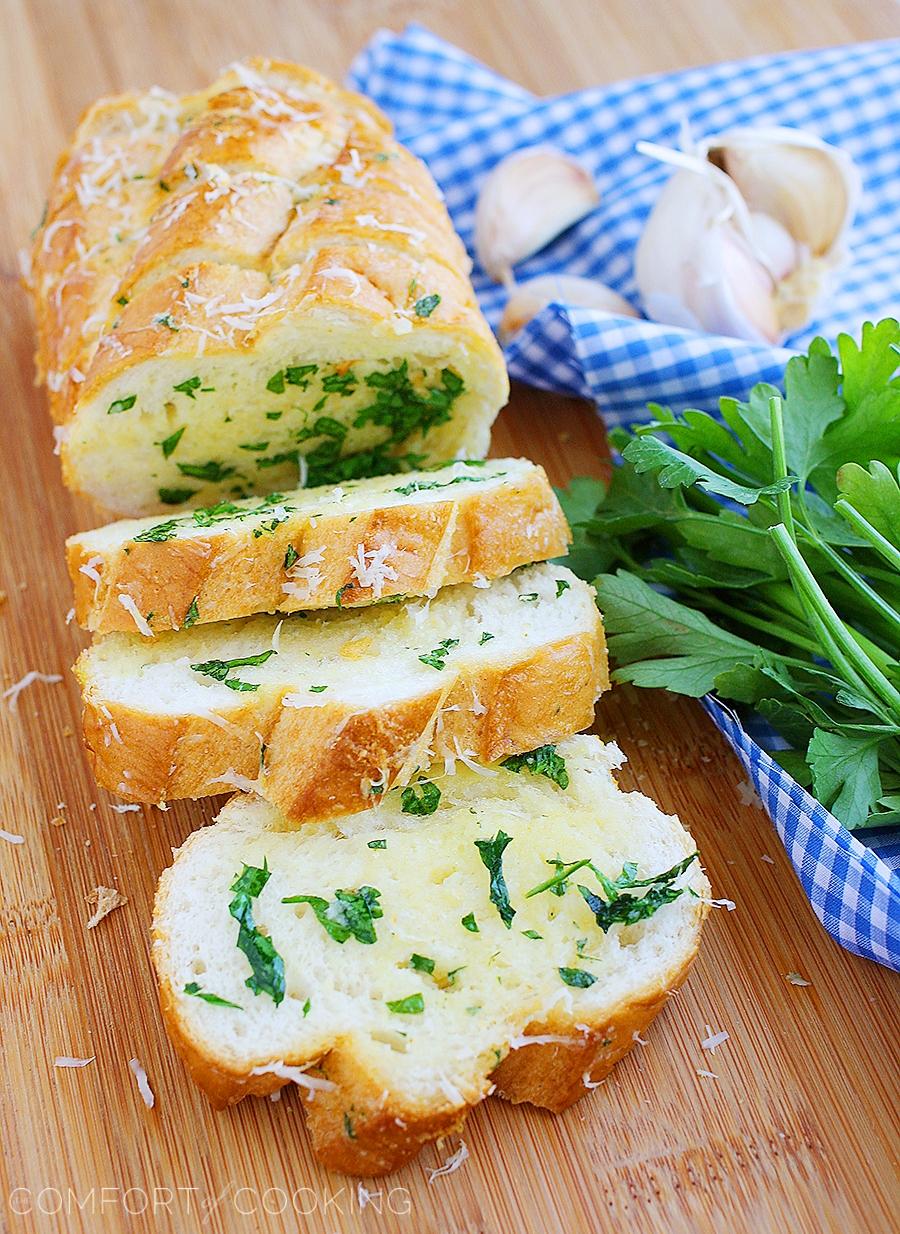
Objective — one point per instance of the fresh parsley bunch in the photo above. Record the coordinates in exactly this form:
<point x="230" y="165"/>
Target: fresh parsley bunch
<point x="774" y="533"/>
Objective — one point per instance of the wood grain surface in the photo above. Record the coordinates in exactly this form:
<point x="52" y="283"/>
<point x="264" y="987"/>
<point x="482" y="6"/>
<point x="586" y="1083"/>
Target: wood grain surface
<point x="794" y="1129"/>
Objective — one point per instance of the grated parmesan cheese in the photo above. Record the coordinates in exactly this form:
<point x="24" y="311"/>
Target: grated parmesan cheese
<point x="140" y="620"/>
<point x="296" y="1075"/>
<point x="66" y="1060"/>
<point x="233" y="779"/>
<point x="370" y="567"/>
<point x="712" y="1041"/>
<point x="24" y="682"/>
<point x="11" y="837"/>
<point x="140" y="1076"/>
<point x="451" y="1164"/>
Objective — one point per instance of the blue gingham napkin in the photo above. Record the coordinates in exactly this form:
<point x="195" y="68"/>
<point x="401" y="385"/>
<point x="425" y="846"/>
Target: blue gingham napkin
<point x="462" y="118"/>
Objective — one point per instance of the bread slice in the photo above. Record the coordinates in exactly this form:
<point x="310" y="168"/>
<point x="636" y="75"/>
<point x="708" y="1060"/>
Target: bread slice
<point x="434" y="1000"/>
<point x="339" y="705"/>
<point x="312" y="548"/>
<point x="249" y="279"/>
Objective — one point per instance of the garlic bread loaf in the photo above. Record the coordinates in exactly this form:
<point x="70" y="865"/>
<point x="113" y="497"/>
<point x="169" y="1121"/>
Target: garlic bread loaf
<point x="322" y="712"/>
<point x="250" y="281"/>
<point x="406" y="962"/>
<point x="366" y="541"/>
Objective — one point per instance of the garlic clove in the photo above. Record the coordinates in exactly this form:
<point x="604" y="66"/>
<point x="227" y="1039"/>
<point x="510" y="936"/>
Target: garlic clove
<point x="695" y="266"/>
<point x="527" y="299"/>
<point x="529" y="199"/>
<point x="773" y="245"/>
<point x="808" y="186"/>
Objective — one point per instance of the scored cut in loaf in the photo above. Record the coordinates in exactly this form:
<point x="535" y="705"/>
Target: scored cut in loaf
<point x="335" y="706"/>
<point x="400" y="1008"/>
<point x="366" y="541"/>
<point x="249" y="279"/>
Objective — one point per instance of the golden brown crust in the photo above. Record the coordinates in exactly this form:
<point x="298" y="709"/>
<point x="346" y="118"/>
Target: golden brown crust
<point x="234" y="572"/>
<point x="552" y="1075"/>
<point x="321" y="762"/>
<point x="271" y="183"/>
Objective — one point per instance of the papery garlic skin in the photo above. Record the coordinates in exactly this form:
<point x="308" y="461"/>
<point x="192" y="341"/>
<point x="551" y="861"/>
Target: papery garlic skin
<point x="809" y="187"/>
<point x="530" y="197"/>
<point x="527" y="299"/>
<point x="745" y="234"/>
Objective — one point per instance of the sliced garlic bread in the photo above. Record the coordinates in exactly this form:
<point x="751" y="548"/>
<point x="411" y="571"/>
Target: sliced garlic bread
<point x="322" y="711"/>
<point x="247" y="279"/>
<point x="313" y="548"/>
<point x="402" y="963"/>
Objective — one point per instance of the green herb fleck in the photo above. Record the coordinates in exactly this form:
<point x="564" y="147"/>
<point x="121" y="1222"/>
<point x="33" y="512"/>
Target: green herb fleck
<point x="421" y="963"/>
<point x="266" y="963"/>
<point x="174" y="497"/>
<point x="532" y="934"/>
<point x="577" y="977"/>
<point x="169" y="443"/>
<point x="213" y="999"/>
<point x="317" y="689"/>
<point x="377" y="844"/>
<point x="544" y="761"/>
<point x="306" y="1008"/>
<point x="423" y="797"/>
<point x="275" y="384"/>
<point x="485" y="638"/>
<point x="413" y="1004"/>
<point x="212" y="471"/>
<point x="192" y="616"/>
<point x="530" y="596"/>
<point x="188" y="386"/>
<point x="470" y="923"/>
<point x="561" y="586"/>
<point x="491" y="853"/>
<point x="426" y="305"/>
<point x="121" y="404"/>
<point x="437" y="658"/>
<point x="349" y="915"/>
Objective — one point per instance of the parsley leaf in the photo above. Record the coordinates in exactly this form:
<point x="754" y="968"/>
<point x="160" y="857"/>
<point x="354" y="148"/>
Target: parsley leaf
<point x="579" y="978"/>
<point x="192" y="616"/>
<point x="121" y="404"/>
<point x="544" y="761"/>
<point x="266" y="963"/>
<point x="421" y="798"/>
<point x="421" y="963"/>
<point x="437" y="658"/>
<point x="169" y="443"/>
<point x="213" y="999"/>
<point x="188" y="387"/>
<point x="491" y="853"/>
<point x="349" y="915"/>
<point x="627" y="909"/>
<point x="425" y="306"/>
<point x="413" y="1004"/>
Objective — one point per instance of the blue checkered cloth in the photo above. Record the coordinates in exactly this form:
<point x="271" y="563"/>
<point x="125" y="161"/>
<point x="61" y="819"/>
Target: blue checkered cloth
<point x="462" y="118"/>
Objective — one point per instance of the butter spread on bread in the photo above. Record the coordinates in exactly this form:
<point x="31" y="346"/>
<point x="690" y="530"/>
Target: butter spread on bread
<point x="395" y="966"/>
<point x="325" y="710"/>
<point x="250" y="282"/>
<point x="365" y="541"/>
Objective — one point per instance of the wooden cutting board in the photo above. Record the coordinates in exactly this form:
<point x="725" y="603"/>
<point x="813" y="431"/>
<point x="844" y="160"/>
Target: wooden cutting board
<point x="786" y="1127"/>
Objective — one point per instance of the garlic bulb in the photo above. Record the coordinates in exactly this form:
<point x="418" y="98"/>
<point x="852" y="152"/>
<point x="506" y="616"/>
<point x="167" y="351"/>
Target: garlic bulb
<point x="528" y="199"/>
<point x="527" y="299"/>
<point x="744" y="236"/>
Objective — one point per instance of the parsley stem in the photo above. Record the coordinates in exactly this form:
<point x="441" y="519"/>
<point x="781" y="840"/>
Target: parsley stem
<point x="741" y="616"/>
<point x="859" y="585"/>
<point x="779" y="460"/>
<point x="863" y="527"/>
<point x="836" y="634"/>
<point x="559" y="877"/>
